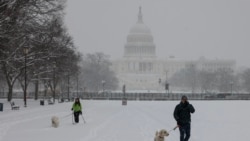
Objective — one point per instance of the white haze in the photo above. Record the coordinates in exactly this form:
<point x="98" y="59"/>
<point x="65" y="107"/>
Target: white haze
<point x="187" y="29"/>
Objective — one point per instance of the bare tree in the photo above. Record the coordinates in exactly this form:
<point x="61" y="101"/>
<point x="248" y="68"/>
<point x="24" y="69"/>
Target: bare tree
<point x="186" y="79"/>
<point x="224" y="80"/>
<point x="26" y="24"/>
<point x="246" y="80"/>
<point x="96" y="71"/>
<point x="2" y="83"/>
<point x="207" y="81"/>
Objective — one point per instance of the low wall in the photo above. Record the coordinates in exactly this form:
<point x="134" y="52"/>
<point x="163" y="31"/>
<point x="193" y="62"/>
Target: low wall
<point x="142" y="96"/>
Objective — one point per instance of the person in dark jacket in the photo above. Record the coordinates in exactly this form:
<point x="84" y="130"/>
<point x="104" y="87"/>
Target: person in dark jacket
<point x="182" y="115"/>
<point x="77" y="109"/>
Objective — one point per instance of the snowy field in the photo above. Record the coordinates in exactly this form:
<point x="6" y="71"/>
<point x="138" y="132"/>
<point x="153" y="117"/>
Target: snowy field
<point x="138" y="121"/>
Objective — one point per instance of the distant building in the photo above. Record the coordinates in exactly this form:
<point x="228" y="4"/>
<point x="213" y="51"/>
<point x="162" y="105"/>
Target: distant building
<point x="139" y="69"/>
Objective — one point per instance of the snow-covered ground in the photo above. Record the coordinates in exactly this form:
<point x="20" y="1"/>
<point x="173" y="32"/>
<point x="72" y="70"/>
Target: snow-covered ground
<point x="110" y="121"/>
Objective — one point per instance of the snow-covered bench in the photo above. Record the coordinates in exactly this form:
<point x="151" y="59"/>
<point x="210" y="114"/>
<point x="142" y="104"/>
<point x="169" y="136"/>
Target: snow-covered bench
<point x="14" y="106"/>
<point x="50" y="102"/>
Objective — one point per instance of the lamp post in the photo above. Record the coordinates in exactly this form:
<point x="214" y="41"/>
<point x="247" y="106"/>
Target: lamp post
<point x="167" y="88"/>
<point x="124" y="91"/>
<point x="103" y="84"/>
<point x="68" y="85"/>
<point x="54" y="82"/>
<point x="46" y="80"/>
<point x="231" y="84"/>
<point x="25" y="51"/>
<point x="124" y="100"/>
<point x="159" y="81"/>
<point x="77" y="85"/>
<point x="36" y="84"/>
<point x="45" y="90"/>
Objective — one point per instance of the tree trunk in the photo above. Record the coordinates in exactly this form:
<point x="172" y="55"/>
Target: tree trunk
<point x="36" y="89"/>
<point x="10" y="93"/>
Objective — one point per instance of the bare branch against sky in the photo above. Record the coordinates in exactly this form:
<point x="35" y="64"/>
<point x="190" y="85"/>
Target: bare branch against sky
<point x="187" y="29"/>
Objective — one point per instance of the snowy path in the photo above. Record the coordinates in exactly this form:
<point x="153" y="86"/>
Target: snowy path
<point x="128" y="123"/>
<point x="138" y="121"/>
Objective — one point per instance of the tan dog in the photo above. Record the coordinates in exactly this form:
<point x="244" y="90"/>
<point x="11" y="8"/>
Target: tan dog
<point x="159" y="136"/>
<point x="55" y="121"/>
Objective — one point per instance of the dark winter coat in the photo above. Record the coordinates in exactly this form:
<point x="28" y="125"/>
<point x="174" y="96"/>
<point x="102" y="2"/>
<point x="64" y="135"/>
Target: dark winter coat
<point x="182" y="113"/>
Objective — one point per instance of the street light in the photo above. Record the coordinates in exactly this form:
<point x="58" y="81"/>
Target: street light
<point x="68" y="83"/>
<point x="46" y="88"/>
<point x="124" y="90"/>
<point x="167" y="88"/>
<point x="25" y="51"/>
<point x="36" y="81"/>
<point x="231" y="84"/>
<point x="159" y="81"/>
<point x="77" y="84"/>
<point x="124" y="100"/>
<point x="103" y="83"/>
<point x="54" y="81"/>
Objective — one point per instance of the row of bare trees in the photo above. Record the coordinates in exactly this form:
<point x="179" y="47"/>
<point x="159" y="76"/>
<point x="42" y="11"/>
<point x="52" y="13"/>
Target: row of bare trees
<point x="96" y="73"/>
<point x="221" y="80"/>
<point x="34" y="44"/>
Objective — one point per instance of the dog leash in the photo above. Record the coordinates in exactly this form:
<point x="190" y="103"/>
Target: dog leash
<point x="66" y="116"/>
<point x="173" y="129"/>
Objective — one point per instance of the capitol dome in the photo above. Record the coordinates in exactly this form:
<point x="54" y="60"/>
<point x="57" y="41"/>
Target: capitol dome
<point x="140" y="42"/>
<point x="140" y="28"/>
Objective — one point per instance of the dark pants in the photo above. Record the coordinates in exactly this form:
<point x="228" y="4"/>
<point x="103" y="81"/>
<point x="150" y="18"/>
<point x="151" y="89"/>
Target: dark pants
<point x="76" y="115"/>
<point x="185" y="132"/>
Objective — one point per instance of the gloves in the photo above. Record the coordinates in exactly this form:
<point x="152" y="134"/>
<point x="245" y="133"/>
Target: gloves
<point x="186" y="104"/>
<point x="191" y="108"/>
<point x="80" y="112"/>
<point x="179" y="123"/>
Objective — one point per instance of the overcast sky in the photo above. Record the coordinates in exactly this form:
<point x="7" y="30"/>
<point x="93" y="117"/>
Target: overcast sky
<point x="187" y="29"/>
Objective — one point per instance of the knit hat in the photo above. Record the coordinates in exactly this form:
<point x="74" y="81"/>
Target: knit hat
<point x="184" y="97"/>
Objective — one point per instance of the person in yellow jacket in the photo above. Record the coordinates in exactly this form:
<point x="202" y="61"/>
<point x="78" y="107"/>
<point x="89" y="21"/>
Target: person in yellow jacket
<point x="77" y="109"/>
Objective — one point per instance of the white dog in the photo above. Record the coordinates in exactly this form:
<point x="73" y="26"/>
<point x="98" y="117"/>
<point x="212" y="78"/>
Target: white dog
<point x="55" y="121"/>
<point x="159" y="136"/>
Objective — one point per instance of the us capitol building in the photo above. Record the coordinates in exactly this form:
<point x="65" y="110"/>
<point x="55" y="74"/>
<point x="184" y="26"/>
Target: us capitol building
<point x="140" y="69"/>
